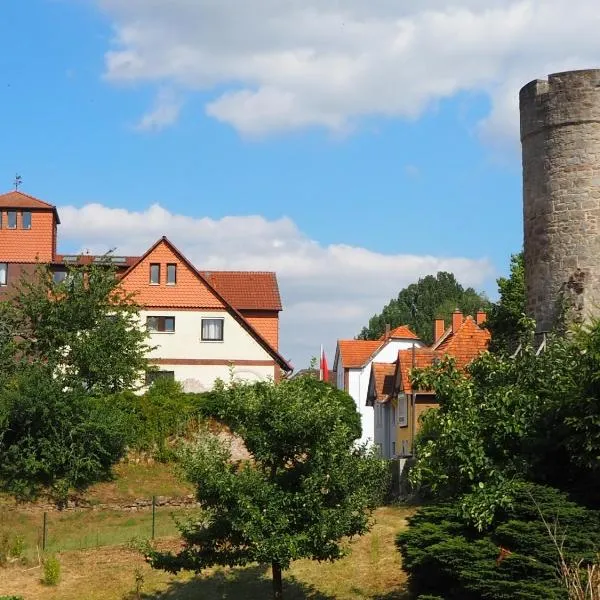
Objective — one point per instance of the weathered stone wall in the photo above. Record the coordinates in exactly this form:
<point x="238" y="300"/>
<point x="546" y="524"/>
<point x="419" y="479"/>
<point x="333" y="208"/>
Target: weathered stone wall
<point x="560" y="135"/>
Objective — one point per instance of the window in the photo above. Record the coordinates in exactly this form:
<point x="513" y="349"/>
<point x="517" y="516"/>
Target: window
<point x="402" y="410"/>
<point x="3" y="273"/>
<point x="161" y="324"/>
<point x="154" y="273"/>
<point x="171" y="274"/>
<point x="12" y="219"/>
<point x="59" y="276"/>
<point x="26" y="219"/>
<point x="393" y="448"/>
<point x="378" y="414"/>
<point x="212" y="330"/>
<point x="152" y="376"/>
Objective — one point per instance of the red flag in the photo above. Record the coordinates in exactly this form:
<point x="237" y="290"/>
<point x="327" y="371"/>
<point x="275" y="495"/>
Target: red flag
<point x="323" y="368"/>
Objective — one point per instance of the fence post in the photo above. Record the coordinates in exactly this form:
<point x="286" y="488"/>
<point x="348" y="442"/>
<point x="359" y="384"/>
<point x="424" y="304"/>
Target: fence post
<point x="44" y="531"/>
<point x="153" y="515"/>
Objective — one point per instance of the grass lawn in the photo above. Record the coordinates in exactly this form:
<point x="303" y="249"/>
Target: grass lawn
<point x="372" y="571"/>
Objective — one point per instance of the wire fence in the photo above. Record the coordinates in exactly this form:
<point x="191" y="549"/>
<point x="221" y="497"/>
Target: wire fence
<point x="60" y="531"/>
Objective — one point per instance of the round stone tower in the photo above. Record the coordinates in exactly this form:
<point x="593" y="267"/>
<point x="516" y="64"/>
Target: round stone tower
<point x="560" y="136"/>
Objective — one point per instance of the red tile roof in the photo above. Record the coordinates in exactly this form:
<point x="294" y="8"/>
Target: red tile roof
<point x="247" y="290"/>
<point x="464" y="344"/>
<point x="16" y="199"/>
<point x="383" y="374"/>
<point x="403" y="332"/>
<point x="422" y="357"/>
<point x="354" y="354"/>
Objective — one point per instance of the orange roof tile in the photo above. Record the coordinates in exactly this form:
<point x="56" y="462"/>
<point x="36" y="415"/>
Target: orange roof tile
<point x="16" y="199"/>
<point x="247" y="290"/>
<point x="464" y="344"/>
<point x="407" y="360"/>
<point x="354" y="354"/>
<point x="383" y="374"/>
<point x="403" y="332"/>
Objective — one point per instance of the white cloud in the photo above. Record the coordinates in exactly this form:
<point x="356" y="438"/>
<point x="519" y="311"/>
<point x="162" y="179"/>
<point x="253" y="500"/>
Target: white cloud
<point x="278" y="66"/>
<point x="329" y="292"/>
<point x="163" y="113"/>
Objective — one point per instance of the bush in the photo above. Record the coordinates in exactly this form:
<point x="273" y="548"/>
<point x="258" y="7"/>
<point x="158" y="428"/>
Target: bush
<point x="164" y="411"/>
<point x="12" y="598"/>
<point x="51" y="571"/>
<point x="515" y="559"/>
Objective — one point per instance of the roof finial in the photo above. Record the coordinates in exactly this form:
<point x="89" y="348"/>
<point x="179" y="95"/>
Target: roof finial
<point x="18" y="181"/>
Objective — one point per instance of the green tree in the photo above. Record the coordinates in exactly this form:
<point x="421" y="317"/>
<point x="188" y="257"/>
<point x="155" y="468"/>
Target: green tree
<point x="419" y="304"/>
<point x="506" y="318"/>
<point x="54" y="440"/>
<point x="306" y="488"/>
<point x="85" y="327"/>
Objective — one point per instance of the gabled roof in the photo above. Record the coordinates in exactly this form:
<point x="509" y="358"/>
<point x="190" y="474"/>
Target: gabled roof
<point x="404" y="332"/>
<point x="233" y="311"/>
<point x="16" y="199"/>
<point x="465" y="343"/>
<point x="409" y="359"/>
<point x="354" y="354"/>
<point x="381" y="383"/>
<point x="247" y="290"/>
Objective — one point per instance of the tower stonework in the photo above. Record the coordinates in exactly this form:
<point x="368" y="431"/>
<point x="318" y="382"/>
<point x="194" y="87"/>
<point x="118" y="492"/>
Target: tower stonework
<point x="560" y="137"/>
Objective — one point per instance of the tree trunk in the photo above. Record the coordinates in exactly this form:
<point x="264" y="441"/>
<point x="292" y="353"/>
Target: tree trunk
<point x="277" y="583"/>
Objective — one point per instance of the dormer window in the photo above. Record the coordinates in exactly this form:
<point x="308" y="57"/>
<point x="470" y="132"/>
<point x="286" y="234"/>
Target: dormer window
<point x="26" y="219"/>
<point x="12" y="219"/>
<point x="171" y="274"/>
<point x="154" y="274"/>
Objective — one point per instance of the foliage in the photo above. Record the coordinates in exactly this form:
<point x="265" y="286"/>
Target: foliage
<point x="534" y="417"/>
<point x="516" y="558"/>
<point x="52" y="439"/>
<point x="305" y="490"/>
<point x="506" y="318"/>
<point x="11" y="598"/>
<point x="51" y="571"/>
<point x="419" y="304"/>
<point x="11" y="547"/>
<point x="161" y="413"/>
<point x="85" y="328"/>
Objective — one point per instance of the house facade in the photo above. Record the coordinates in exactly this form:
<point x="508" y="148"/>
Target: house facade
<point x="396" y="405"/>
<point x="203" y="325"/>
<point x="353" y="362"/>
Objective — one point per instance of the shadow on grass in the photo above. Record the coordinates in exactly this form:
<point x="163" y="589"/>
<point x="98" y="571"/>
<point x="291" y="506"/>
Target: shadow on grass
<point x="251" y="583"/>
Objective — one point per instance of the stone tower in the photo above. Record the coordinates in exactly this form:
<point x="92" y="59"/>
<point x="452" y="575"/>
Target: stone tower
<point x="560" y="136"/>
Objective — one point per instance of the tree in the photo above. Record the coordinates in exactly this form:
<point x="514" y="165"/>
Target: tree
<point x="305" y="489"/>
<point x="506" y="318"/>
<point x="63" y="348"/>
<point x="419" y="304"/>
<point x="52" y="439"/>
<point x="85" y="328"/>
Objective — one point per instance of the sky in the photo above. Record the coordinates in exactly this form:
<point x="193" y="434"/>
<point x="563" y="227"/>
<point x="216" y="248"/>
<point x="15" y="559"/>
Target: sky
<point x="350" y="146"/>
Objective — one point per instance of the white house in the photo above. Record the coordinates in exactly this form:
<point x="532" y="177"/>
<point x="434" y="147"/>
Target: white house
<point x="353" y="360"/>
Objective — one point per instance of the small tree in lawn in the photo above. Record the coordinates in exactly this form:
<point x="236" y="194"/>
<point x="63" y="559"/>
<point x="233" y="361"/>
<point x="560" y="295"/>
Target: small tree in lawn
<point x="306" y="488"/>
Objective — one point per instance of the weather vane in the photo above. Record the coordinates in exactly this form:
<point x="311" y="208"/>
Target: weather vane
<point x="18" y="181"/>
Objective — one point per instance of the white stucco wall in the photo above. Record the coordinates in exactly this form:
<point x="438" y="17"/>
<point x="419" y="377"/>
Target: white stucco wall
<point x="185" y="343"/>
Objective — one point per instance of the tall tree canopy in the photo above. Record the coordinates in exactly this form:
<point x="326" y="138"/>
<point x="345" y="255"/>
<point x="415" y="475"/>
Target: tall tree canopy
<point x="63" y="348"/>
<point x="419" y="304"/>
<point x="506" y="318"/>
<point x="306" y="488"/>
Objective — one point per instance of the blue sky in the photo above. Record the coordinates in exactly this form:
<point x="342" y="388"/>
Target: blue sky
<point x="106" y="107"/>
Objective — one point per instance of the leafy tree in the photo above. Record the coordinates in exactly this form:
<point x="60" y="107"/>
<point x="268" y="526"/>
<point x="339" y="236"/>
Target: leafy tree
<point x="85" y="327"/>
<point x="506" y="318"/>
<point x="52" y="439"/>
<point x="419" y="304"/>
<point x="306" y="488"/>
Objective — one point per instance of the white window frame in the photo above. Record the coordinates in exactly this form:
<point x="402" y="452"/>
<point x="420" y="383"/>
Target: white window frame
<point x="3" y="274"/>
<point x="23" y="213"/>
<point x="173" y="267"/>
<point x="402" y="410"/>
<point x="150" y="274"/>
<point x="8" y="213"/>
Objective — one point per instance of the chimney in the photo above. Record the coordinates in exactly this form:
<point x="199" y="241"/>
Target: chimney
<point x="457" y="319"/>
<point x="439" y="329"/>
<point x="387" y="331"/>
<point x="480" y="317"/>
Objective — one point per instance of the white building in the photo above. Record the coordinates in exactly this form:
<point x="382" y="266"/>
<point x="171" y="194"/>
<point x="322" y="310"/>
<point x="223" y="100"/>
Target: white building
<point x="353" y="360"/>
